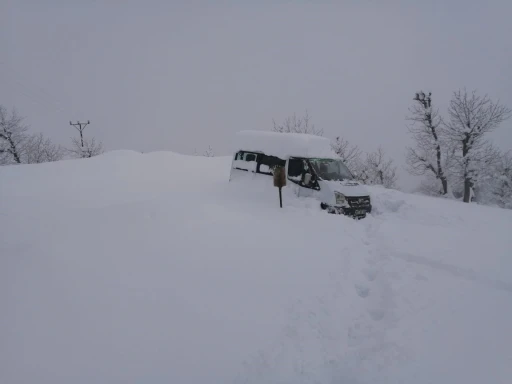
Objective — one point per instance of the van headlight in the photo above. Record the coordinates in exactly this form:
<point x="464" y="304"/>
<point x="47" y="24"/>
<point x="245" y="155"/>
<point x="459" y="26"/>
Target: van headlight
<point x="340" y="198"/>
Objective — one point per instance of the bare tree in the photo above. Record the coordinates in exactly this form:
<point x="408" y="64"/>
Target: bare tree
<point x="430" y="186"/>
<point x="377" y="169"/>
<point x="470" y="118"/>
<point x="13" y="137"/>
<point x="209" y="152"/>
<point x="89" y="149"/>
<point x="17" y="146"/>
<point x="484" y="170"/>
<point x="349" y="154"/>
<point x="41" y="150"/>
<point x="294" y="124"/>
<point x="502" y="181"/>
<point x="426" y="129"/>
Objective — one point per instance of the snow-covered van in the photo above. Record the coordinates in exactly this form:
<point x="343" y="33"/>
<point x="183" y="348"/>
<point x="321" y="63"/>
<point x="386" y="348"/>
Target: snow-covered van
<point x="312" y="168"/>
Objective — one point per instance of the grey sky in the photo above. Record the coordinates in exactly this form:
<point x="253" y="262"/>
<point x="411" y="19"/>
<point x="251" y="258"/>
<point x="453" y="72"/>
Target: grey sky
<point x="169" y="75"/>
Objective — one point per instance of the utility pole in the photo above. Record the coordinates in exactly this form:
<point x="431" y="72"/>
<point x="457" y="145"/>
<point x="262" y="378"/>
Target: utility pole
<point x="80" y="127"/>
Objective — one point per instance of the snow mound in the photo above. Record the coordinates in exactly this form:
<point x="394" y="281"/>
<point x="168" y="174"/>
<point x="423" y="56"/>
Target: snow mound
<point x="120" y="153"/>
<point x="385" y="200"/>
<point x="154" y="268"/>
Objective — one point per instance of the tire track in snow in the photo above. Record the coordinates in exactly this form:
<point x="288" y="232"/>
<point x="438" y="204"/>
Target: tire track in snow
<point x="454" y="270"/>
<point x="387" y="204"/>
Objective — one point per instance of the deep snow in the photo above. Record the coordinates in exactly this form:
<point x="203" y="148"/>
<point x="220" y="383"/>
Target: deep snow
<point x="153" y="268"/>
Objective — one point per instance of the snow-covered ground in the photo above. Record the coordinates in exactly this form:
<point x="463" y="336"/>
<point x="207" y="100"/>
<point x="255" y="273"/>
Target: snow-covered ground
<point x="153" y="268"/>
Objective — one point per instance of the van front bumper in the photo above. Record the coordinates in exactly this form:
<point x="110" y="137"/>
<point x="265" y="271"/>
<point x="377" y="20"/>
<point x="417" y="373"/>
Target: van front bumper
<point x="358" y="207"/>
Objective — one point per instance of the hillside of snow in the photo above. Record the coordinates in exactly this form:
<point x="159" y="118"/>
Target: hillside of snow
<point x="154" y="268"/>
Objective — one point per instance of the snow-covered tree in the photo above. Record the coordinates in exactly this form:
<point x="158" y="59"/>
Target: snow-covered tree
<point x="378" y="169"/>
<point x="493" y="186"/>
<point x="40" y="149"/>
<point x="431" y="154"/>
<point x="294" y="124"/>
<point x="18" y="146"/>
<point x="90" y="148"/>
<point x="13" y="137"/>
<point x="429" y="186"/>
<point x="349" y="154"/>
<point x="209" y="152"/>
<point x="502" y="180"/>
<point x="470" y="118"/>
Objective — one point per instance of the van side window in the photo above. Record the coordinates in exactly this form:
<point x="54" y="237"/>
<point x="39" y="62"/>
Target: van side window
<point x="295" y="168"/>
<point x="246" y="161"/>
<point x="245" y="156"/>
<point x="268" y="163"/>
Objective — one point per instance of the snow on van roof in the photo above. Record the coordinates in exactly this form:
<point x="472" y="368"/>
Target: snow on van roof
<point x="284" y="145"/>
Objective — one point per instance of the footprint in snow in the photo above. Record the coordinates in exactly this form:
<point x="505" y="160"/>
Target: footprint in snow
<point x="370" y="273"/>
<point x="377" y="314"/>
<point x="421" y="277"/>
<point x="362" y="290"/>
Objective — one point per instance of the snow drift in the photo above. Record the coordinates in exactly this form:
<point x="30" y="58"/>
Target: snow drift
<point x="153" y="268"/>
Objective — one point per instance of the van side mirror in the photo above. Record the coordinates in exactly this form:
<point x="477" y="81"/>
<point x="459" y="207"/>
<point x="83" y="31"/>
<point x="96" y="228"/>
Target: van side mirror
<point x="307" y="178"/>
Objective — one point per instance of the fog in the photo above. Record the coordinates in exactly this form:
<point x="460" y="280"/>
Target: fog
<point x="181" y="76"/>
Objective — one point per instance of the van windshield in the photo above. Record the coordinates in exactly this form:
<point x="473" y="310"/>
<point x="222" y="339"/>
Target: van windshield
<point x="331" y="169"/>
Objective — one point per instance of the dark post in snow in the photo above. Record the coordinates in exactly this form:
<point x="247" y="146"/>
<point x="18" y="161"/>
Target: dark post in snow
<point x="279" y="182"/>
<point x="80" y="129"/>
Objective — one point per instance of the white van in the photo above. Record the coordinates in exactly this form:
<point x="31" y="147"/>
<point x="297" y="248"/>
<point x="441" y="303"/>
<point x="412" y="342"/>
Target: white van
<point x="312" y="168"/>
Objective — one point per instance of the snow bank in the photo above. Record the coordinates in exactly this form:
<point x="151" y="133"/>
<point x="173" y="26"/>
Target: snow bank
<point x="283" y="145"/>
<point x="116" y="177"/>
<point x="153" y="268"/>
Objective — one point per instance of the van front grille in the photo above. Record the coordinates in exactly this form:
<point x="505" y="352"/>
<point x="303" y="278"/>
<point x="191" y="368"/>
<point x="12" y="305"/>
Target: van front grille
<point x="359" y="202"/>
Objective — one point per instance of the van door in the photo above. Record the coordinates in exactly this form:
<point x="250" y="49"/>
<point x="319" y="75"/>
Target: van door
<point x="245" y="161"/>
<point x="297" y="169"/>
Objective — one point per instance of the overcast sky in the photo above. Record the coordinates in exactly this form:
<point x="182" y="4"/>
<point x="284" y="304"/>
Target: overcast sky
<point x="179" y="75"/>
